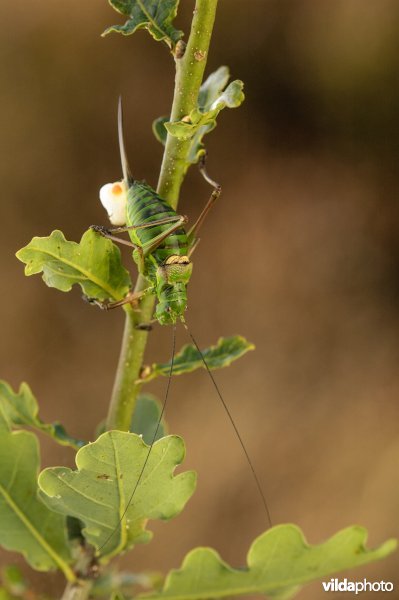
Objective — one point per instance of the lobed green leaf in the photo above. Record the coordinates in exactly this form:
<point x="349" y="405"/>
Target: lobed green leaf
<point x="98" y="492"/>
<point x="279" y="561"/>
<point x="188" y="359"/>
<point x="232" y="97"/>
<point x="145" y="418"/>
<point x="212" y="88"/>
<point x="26" y="524"/>
<point x="94" y="264"/>
<point x="154" y="15"/>
<point x="21" y="408"/>
<point x="213" y="97"/>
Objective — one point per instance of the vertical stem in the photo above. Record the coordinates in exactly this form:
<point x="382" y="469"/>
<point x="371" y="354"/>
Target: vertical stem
<point x="189" y="74"/>
<point x="77" y="591"/>
<point x="134" y="341"/>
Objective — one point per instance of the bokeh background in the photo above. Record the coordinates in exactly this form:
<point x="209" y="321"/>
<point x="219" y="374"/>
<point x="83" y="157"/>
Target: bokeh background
<point x="301" y="256"/>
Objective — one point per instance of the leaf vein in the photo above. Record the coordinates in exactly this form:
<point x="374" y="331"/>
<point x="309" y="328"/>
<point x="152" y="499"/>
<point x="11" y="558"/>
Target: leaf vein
<point x="88" y="275"/>
<point x="36" y="535"/>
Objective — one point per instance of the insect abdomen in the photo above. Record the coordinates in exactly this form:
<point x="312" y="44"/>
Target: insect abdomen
<point x="143" y="206"/>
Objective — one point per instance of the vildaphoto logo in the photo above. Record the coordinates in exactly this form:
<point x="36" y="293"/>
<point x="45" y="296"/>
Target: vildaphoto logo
<point x="335" y="585"/>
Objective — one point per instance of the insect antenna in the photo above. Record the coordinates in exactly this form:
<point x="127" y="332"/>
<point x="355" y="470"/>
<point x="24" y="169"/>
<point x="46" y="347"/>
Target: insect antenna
<point x="154" y="437"/>
<point x="127" y="175"/>
<point x="230" y="416"/>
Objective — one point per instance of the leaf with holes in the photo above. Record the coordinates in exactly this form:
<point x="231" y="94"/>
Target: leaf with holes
<point x="94" y="264"/>
<point x="226" y="351"/>
<point x="279" y="561"/>
<point x="27" y="525"/>
<point x="98" y="492"/>
<point x="154" y="15"/>
<point x="20" y="408"/>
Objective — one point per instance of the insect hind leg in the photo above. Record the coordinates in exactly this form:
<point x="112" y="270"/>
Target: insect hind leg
<point x="130" y="298"/>
<point x="204" y="173"/>
<point x="217" y="190"/>
<point x="107" y="231"/>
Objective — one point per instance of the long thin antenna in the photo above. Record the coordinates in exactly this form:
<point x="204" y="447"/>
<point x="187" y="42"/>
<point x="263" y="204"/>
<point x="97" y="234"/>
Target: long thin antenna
<point x="154" y="437"/>
<point x="127" y="175"/>
<point x="226" y="408"/>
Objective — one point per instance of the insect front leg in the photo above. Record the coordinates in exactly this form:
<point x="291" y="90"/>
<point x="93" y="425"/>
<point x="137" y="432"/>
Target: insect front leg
<point x="140" y="252"/>
<point x="107" y="233"/>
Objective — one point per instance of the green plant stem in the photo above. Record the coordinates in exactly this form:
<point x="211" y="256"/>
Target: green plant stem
<point x="189" y="75"/>
<point x="77" y="591"/>
<point x="133" y="346"/>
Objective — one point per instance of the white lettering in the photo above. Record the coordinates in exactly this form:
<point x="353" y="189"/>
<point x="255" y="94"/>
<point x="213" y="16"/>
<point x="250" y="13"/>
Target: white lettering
<point x="335" y="585"/>
<point x="375" y="589"/>
<point x="390" y="588"/>
<point x="328" y="587"/>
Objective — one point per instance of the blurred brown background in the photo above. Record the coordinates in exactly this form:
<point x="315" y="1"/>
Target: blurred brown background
<point x="301" y="256"/>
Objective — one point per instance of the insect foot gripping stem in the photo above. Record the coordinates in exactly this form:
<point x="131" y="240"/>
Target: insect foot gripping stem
<point x="100" y="229"/>
<point x="104" y="305"/>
